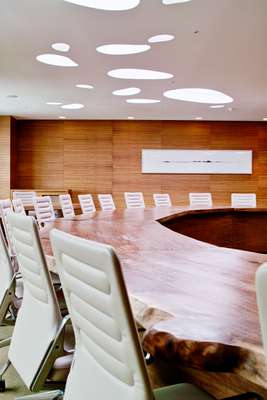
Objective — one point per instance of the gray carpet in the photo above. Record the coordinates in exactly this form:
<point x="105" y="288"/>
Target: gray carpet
<point x="14" y="385"/>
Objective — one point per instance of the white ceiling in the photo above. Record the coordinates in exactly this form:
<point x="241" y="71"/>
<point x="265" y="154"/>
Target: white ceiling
<point x="228" y="54"/>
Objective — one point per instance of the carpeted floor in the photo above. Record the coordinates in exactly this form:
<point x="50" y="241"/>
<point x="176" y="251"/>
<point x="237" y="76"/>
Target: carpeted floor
<point x="14" y="385"/>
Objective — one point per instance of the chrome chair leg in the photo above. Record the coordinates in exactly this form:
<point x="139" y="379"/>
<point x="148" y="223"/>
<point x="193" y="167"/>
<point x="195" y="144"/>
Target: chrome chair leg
<point x="53" y="395"/>
<point x="5" y="342"/>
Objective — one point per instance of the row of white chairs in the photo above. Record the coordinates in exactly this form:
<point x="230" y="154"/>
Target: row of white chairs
<point x="132" y="200"/>
<point x="108" y="356"/>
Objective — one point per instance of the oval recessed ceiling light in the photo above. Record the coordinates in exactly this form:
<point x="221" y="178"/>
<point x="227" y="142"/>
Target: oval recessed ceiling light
<point x="109" y="5"/>
<point x="64" y="47"/>
<point x="83" y="86"/>
<point x="126" y="92"/>
<point x="217" y="106"/>
<point x="62" y="117"/>
<point x="74" y="106"/>
<point x="264" y="119"/>
<point x="122" y="49"/>
<point x="56" y="60"/>
<point x="142" y="101"/>
<point x="133" y="73"/>
<point x="198" y="95"/>
<point x="174" y="1"/>
<point x="53" y="103"/>
<point x="131" y="118"/>
<point x="199" y="118"/>
<point x="161" y="38"/>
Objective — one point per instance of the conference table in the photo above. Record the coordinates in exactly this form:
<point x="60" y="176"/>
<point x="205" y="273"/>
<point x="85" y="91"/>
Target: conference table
<point x="190" y="275"/>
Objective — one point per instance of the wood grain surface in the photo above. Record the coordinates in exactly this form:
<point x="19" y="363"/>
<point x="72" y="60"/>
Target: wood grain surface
<point x="195" y="300"/>
<point x="105" y="157"/>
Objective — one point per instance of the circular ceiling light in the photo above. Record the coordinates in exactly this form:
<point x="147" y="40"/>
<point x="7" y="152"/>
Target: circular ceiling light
<point x="199" y="118"/>
<point x="161" y="38"/>
<point x="64" y="47"/>
<point x="74" y="106"/>
<point x="264" y="119"/>
<point x="127" y="92"/>
<point x="131" y="117"/>
<point x="198" y="95"/>
<point x="53" y="103"/>
<point x="122" y="49"/>
<point x="108" y="5"/>
<point x="142" y="101"/>
<point x="83" y="86"/>
<point x="56" y="60"/>
<point x="168" y="2"/>
<point x="62" y="117"/>
<point x="133" y="73"/>
<point x="217" y="106"/>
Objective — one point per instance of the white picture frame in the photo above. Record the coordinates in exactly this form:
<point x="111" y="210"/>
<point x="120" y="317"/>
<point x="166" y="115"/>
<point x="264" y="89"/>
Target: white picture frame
<point x="172" y="161"/>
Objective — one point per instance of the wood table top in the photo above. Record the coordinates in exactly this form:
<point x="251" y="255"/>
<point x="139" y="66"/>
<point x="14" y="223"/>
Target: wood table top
<point x="196" y="300"/>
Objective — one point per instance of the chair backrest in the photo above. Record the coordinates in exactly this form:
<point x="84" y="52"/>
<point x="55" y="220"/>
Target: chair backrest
<point x="5" y="208"/>
<point x="261" y="291"/>
<point x="87" y="203"/>
<point x="18" y="206"/>
<point x="39" y="316"/>
<point x="66" y="205"/>
<point x="44" y="209"/>
<point x="6" y="269"/>
<point x="200" y="200"/>
<point x="26" y="197"/>
<point x="162" y="200"/>
<point x="134" y="200"/>
<point x="106" y="202"/>
<point x="107" y="346"/>
<point x="243" y="200"/>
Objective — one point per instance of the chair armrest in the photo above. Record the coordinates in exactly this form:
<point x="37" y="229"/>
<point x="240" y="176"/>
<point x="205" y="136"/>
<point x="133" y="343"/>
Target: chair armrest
<point x="245" y="396"/>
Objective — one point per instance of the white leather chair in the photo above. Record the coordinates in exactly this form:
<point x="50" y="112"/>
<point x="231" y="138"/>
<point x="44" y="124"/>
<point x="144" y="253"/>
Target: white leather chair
<point x="243" y="200"/>
<point x="134" y="200"/>
<point x="162" y="200"/>
<point x="106" y="202"/>
<point x="66" y="205"/>
<point x="44" y="210"/>
<point x="11" y="288"/>
<point x="18" y="206"/>
<point x="5" y="208"/>
<point x="200" y="200"/>
<point x="109" y="361"/>
<point x="37" y="350"/>
<point x="87" y="203"/>
<point x="26" y="197"/>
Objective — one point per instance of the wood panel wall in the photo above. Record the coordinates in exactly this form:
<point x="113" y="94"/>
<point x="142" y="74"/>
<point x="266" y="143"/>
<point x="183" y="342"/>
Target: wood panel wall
<point x="7" y="125"/>
<point x="105" y="157"/>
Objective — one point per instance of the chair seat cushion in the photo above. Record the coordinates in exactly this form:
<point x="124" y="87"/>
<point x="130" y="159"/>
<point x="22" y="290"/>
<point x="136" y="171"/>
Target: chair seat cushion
<point x="182" y="391"/>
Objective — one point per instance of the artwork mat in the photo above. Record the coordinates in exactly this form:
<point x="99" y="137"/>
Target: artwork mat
<point x="173" y="161"/>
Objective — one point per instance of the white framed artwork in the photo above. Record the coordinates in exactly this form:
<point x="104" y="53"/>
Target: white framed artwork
<point x="196" y="161"/>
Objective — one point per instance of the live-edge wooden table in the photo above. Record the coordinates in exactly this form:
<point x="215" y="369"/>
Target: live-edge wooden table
<point x="196" y="300"/>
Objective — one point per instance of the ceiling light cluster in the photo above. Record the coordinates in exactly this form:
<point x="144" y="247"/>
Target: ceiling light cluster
<point x="56" y="60"/>
<point x="168" y="2"/>
<point x="63" y="47"/>
<point x="198" y="95"/>
<point x="74" y="106"/>
<point x="122" y="49"/>
<point x="108" y="5"/>
<point x="135" y="73"/>
<point x="142" y="101"/>
<point x="161" y="38"/>
<point x="127" y="92"/>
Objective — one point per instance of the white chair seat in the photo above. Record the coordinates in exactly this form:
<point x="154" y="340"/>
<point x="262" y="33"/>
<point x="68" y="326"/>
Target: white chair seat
<point x="182" y="391"/>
